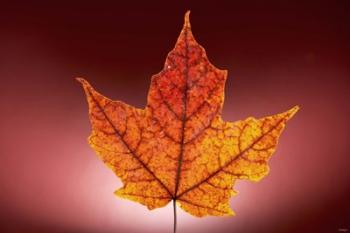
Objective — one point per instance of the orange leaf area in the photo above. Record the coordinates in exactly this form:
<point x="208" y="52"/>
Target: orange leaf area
<point x="178" y="147"/>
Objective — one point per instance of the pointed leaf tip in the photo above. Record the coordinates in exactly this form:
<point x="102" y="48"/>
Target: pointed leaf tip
<point x="187" y="23"/>
<point x="85" y="84"/>
<point x="293" y="110"/>
<point x="81" y="80"/>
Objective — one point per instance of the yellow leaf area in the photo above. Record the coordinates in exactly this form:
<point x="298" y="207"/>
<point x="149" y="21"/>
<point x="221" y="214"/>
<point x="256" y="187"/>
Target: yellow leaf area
<point x="178" y="147"/>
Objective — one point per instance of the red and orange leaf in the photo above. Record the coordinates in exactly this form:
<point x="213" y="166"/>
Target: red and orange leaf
<point x="178" y="147"/>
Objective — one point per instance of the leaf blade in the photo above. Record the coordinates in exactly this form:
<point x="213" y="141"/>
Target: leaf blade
<point x="178" y="147"/>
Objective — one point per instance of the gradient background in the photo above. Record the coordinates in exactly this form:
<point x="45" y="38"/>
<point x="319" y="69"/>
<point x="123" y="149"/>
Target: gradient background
<point x="278" y="54"/>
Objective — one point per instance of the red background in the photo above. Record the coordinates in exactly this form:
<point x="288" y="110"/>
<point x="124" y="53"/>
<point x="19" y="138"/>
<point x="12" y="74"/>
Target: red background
<point x="278" y="54"/>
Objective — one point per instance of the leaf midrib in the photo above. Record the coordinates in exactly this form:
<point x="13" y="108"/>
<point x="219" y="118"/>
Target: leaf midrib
<point x="183" y="119"/>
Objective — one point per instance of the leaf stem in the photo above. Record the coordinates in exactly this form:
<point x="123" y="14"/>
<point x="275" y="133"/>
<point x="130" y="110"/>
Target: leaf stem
<point x="175" y="217"/>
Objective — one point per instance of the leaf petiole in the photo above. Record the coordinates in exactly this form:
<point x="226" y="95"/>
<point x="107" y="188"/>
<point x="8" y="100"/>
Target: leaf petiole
<point x="175" y="217"/>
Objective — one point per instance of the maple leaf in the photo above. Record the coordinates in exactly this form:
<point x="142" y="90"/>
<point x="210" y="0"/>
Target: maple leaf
<point x="178" y="147"/>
